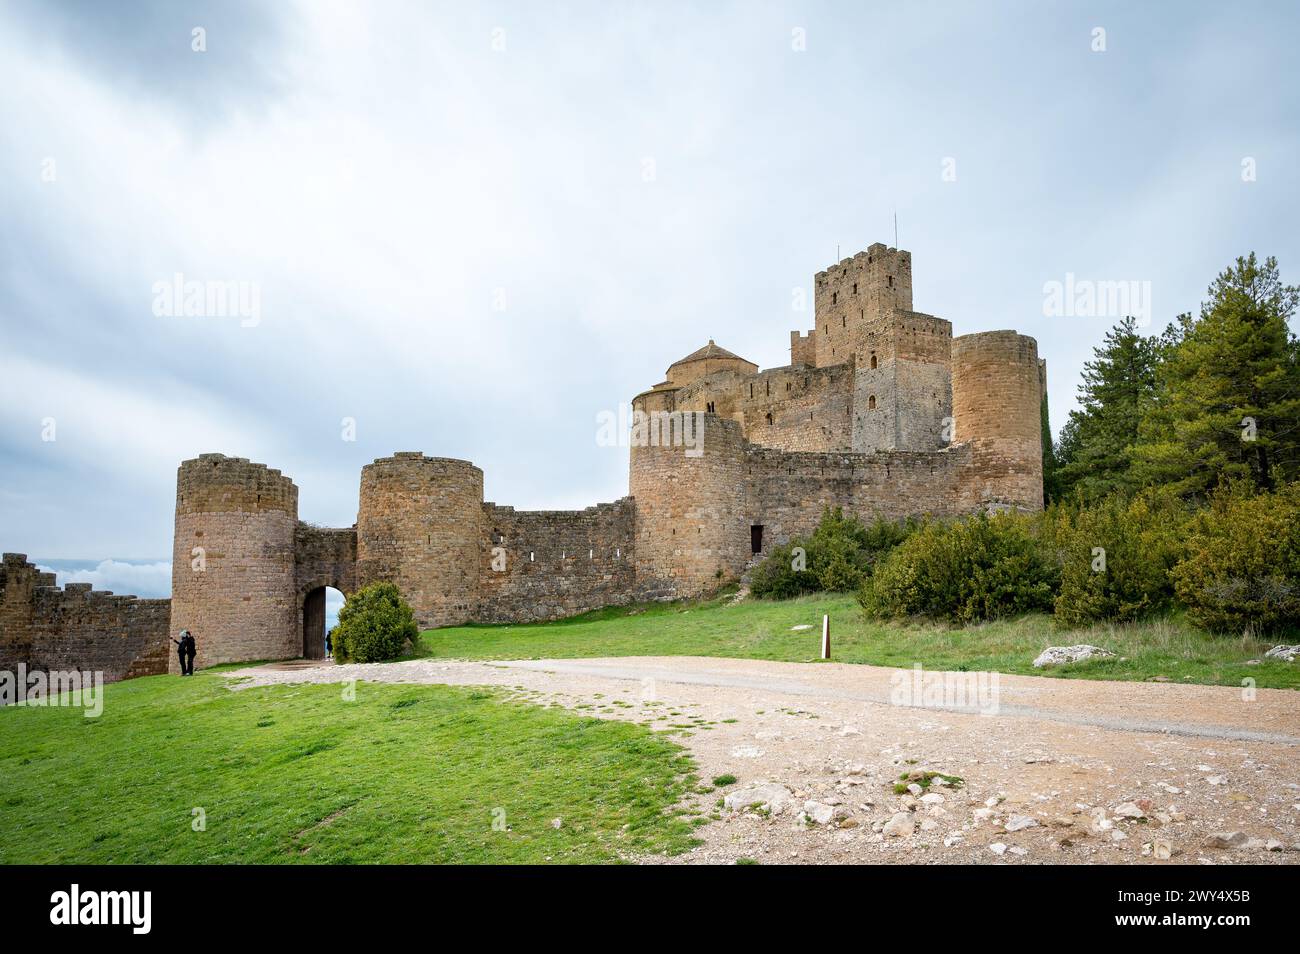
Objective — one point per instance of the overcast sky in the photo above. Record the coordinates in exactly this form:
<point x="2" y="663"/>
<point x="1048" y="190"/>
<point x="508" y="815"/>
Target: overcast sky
<point x="473" y="227"/>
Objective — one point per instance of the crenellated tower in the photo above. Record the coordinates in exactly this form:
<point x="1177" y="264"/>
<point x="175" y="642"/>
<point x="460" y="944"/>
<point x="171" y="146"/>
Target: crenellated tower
<point x="233" y="560"/>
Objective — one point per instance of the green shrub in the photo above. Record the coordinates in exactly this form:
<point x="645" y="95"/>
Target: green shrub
<point x="374" y="625"/>
<point x="981" y="568"/>
<point x="837" y="557"/>
<point x="1116" y="557"/>
<point x="1241" y="570"/>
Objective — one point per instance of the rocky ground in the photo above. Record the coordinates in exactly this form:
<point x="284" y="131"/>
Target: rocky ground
<point x="830" y="768"/>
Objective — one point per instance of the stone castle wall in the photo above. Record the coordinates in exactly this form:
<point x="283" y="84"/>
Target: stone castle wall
<point x="791" y="408"/>
<point x="323" y="556"/>
<point x="547" y="564"/>
<point x="881" y="412"/>
<point x="997" y="408"/>
<point x="47" y="628"/>
<point x="234" y="582"/>
<point x="420" y="526"/>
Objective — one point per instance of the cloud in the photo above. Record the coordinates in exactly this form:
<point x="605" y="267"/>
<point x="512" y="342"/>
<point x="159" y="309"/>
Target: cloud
<point x="388" y="178"/>
<point x="146" y="580"/>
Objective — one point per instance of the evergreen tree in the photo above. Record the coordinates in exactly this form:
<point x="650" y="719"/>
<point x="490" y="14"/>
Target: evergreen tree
<point x="1228" y="390"/>
<point x="1095" y="452"/>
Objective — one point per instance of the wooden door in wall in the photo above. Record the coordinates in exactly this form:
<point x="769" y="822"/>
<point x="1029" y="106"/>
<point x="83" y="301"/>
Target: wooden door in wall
<point x="313" y="625"/>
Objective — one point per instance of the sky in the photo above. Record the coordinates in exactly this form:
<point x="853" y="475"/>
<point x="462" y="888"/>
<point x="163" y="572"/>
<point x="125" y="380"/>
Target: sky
<point x="469" y="229"/>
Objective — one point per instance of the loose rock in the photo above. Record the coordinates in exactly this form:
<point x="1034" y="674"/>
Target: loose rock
<point x="1059" y="655"/>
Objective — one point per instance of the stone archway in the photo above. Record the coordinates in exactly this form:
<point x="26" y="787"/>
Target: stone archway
<point x="325" y="559"/>
<point x="313" y="623"/>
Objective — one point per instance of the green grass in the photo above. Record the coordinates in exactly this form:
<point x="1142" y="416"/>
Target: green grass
<point x="295" y="774"/>
<point x="1167" y="647"/>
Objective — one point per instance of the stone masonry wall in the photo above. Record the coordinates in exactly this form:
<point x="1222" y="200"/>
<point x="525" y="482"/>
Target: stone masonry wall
<point x="323" y="556"/>
<point x="76" y="627"/>
<point x="793" y="408"/>
<point x="997" y="406"/>
<point x="854" y="298"/>
<point x="787" y="492"/>
<point x="691" y="526"/>
<point x="554" y="563"/>
<point x="233" y="562"/>
<point x="420" y="526"/>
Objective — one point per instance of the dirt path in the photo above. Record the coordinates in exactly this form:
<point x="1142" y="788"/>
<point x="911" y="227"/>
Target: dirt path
<point x="1044" y="767"/>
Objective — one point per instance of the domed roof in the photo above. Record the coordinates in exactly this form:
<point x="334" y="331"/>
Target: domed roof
<point x="710" y="352"/>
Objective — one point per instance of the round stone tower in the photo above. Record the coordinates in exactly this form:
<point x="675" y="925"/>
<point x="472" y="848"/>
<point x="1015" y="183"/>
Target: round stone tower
<point x="233" y="560"/>
<point x="692" y="524"/>
<point x="997" y="410"/>
<point x="420" y="526"/>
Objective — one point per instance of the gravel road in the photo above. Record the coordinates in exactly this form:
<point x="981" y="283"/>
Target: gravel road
<point x="1052" y="770"/>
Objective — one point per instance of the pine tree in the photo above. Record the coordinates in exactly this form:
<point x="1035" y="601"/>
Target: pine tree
<point x="1096" y="445"/>
<point x="1228" y="390"/>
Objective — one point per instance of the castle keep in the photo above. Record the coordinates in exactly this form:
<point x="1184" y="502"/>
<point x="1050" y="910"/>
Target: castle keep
<point x="881" y="411"/>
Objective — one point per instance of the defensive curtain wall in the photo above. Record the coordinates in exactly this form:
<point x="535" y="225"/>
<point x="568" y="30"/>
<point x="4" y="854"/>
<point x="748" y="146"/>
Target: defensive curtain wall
<point x="881" y="411"/>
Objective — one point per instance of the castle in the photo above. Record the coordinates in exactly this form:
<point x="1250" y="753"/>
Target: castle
<point x="881" y="411"/>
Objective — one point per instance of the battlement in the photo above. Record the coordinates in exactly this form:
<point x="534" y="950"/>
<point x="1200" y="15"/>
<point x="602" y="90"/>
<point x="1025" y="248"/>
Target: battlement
<point x="803" y="348"/>
<point x="878" y="253"/>
<point x="215" y="483"/>
<point x="45" y="627"/>
<point x="402" y="461"/>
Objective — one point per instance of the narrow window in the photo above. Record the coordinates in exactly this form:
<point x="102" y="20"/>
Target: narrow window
<point x="756" y="538"/>
<point x="769" y="417"/>
<point x="532" y="557"/>
<point x="844" y="321"/>
<point x="751" y="389"/>
<point x="855" y="288"/>
<point x="890" y="279"/>
<point x="873" y="361"/>
<point x="834" y="297"/>
<point x="871" y="403"/>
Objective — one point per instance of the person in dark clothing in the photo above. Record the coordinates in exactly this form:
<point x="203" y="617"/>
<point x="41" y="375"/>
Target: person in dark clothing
<point x="186" y="650"/>
<point x="191" y="650"/>
<point x="181" y="644"/>
<point x="329" y="647"/>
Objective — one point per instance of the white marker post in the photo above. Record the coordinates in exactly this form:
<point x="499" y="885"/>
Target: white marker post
<point x="826" y="637"/>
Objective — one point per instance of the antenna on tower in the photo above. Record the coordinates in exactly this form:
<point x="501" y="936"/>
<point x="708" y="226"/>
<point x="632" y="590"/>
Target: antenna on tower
<point x="837" y="251"/>
<point x="895" y="229"/>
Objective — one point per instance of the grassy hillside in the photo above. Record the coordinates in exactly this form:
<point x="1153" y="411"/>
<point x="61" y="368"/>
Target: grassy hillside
<point x="762" y="629"/>
<point x="298" y="774"/>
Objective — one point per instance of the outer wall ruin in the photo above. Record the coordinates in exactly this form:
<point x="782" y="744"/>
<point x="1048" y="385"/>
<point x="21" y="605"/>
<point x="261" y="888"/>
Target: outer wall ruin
<point x="881" y="411"/>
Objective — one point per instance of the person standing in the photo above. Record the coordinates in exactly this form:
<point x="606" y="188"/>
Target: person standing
<point x="181" y="644"/>
<point x="191" y="650"/>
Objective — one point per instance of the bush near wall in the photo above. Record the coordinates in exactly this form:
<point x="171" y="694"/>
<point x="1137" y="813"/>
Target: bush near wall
<point x="837" y="557"/>
<point x="1116" y="557"/>
<point x="978" y="569"/>
<point x="374" y="625"/>
<point x="1241" y="570"/>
